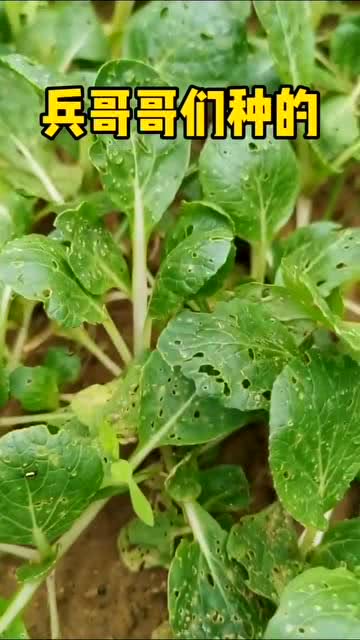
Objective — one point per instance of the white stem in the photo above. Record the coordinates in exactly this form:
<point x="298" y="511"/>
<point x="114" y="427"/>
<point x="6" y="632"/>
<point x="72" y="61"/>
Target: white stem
<point x="36" y="418"/>
<point x="82" y="337"/>
<point x="38" y="171"/>
<point x="53" y="609"/>
<point x="20" y="552"/>
<point x="352" y="306"/>
<point x="39" y="339"/>
<point x="139" y="266"/>
<point x="312" y="537"/>
<point x="18" y="603"/>
<point x="303" y="212"/>
<point x="21" y="337"/>
<point x="117" y="339"/>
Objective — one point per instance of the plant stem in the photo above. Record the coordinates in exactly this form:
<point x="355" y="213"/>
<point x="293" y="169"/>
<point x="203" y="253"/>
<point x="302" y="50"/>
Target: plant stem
<point x="39" y="339"/>
<point x="303" y="212"/>
<point x="346" y="155"/>
<point x="121" y="14"/>
<point x="334" y="196"/>
<point x="22" y="336"/>
<point x="117" y="339"/>
<point x="258" y="261"/>
<point x="36" y="418"/>
<point x="19" y="602"/>
<point x="5" y="301"/>
<point x="352" y="306"/>
<point x="53" y="609"/>
<point x="20" y="552"/>
<point x="312" y="537"/>
<point x="82" y="337"/>
<point x="139" y="268"/>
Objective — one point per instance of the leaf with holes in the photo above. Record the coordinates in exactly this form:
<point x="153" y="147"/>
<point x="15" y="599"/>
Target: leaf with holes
<point x="29" y="163"/>
<point x="290" y="37"/>
<point x="93" y="255"/>
<point x="255" y="182"/>
<point x="319" y="603"/>
<point x="35" y="267"/>
<point x="141" y="174"/>
<point x="159" y="35"/>
<point x="266" y="545"/>
<point x="36" y="388"/>
<point x="47" y="481"/>
<point x="233" y="354"/>
<point x="200" y="248"/>
<point x="206" y="593"/>
<point x="340" y="130"/>
<point x="15" y="214"/>
<point x="172" y="412"/>
<point x="340" y="547"/>
<point x="329" y="260"/>
<point x="315" y="434"/>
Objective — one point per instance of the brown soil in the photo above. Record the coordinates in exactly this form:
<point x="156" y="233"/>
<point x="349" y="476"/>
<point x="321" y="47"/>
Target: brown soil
<point x="98" y="598"/>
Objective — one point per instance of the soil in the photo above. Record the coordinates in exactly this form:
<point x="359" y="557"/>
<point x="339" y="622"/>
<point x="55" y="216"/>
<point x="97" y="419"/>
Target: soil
<point x="98" y="598"/>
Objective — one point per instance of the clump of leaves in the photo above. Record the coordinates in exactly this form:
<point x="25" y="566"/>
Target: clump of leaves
<point x="215" y="347"/>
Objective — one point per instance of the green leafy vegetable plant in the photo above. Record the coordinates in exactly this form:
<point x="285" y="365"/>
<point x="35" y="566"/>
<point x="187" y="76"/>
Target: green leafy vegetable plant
<point x="236" y="262"/>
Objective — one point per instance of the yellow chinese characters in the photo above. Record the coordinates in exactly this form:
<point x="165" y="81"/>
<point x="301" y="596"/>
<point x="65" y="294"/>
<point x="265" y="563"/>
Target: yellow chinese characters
<point x="157" y="111"/>
<point x="110" y="111"/>
<point x="203" y="111"/>
<point x="64" y="108"/>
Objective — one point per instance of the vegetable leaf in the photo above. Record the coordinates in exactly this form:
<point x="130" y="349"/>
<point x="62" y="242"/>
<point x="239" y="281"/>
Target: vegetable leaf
<point x="291" y="38"/>
<point x="28" y="161"/>
<point x="340" y="547"/>
<point x="159" y="35"/>
<point x="172" y="412"/>
<point x="234" y="353"/>
<point x="207" y="596"/>
<point x="193" y="261"/>
<point x="142" y="174"/>
<point x="94" y="256"/>
<point x="35" y="387"/>
<point x="145" y="547"/>
<point x="35" y="267"/>
<point x="255" y="182"/>
<point x="66" y="365"/>
<point x="47" y="481"/>
<point x="314" y="434"/>
<point x="344" y="45"/>
<point x="329" y="260"/>
<point x="319" y="603"/>
<point x="266" y="545"/>
<point x="82" y="37"/>
<point x="224" y="487"/>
